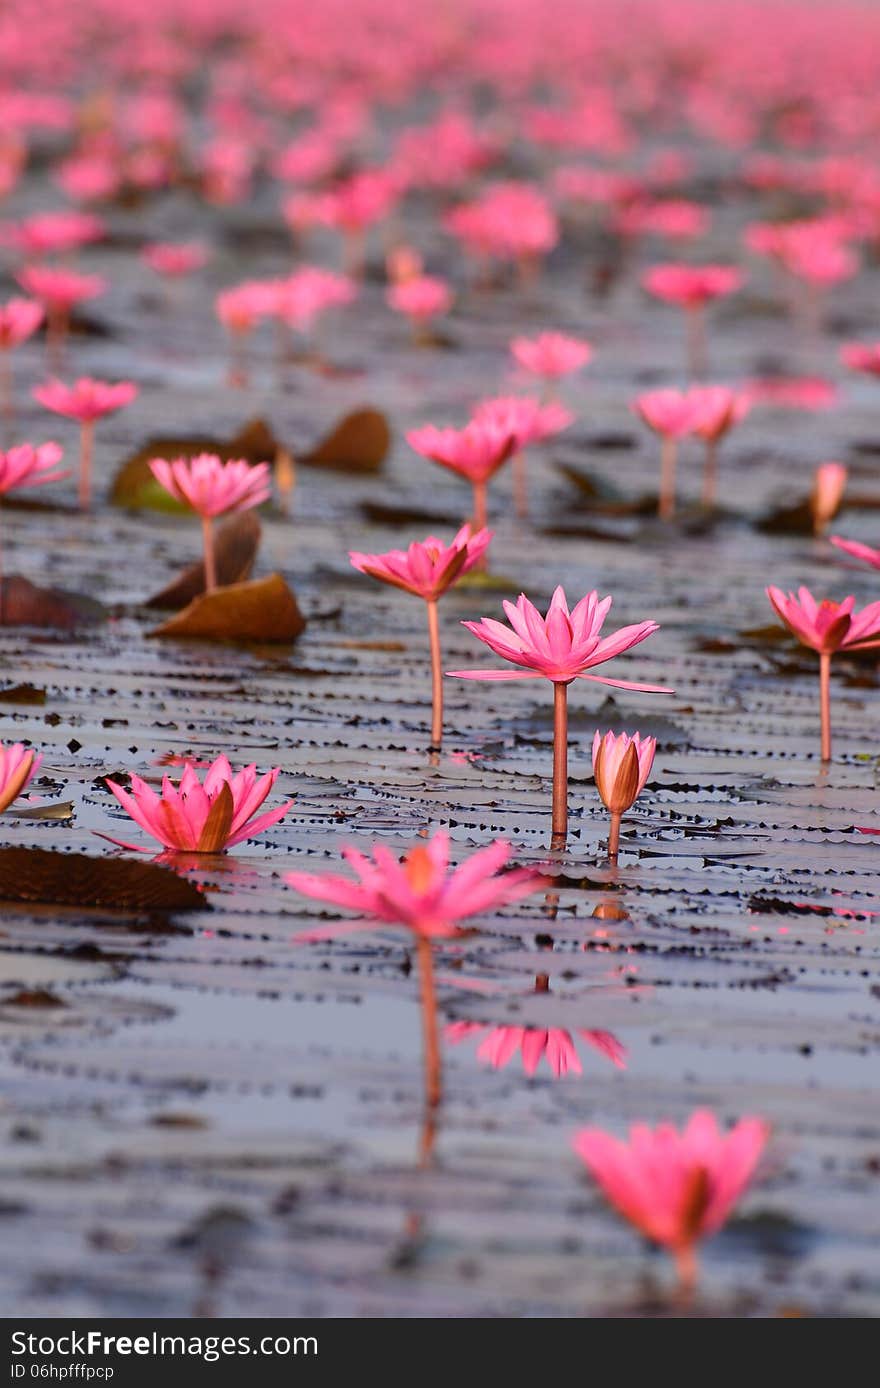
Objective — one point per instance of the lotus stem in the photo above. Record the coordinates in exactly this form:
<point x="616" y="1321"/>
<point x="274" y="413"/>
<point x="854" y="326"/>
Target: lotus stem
<point x="479" y="505"/>
<point x="687" y="1268"/>
<point x="696" y="335"/>
<point x="86" y="448"/>
<point x="433" y="1073"/>
<point x="825" y="702"/>
<point x="436" y="677"/>
<point x="209" y="558"/>
<point x="710" y="474"/>
<point x="614" y="836"/>
<point x="668" y="456"/>
<point x="520" y="485"/>
<point x="559" y="822"/>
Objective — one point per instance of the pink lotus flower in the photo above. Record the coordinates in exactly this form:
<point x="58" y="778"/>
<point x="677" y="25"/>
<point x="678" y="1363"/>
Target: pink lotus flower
<point x="175" y="259"/>
<point x="561" y="647"/>
<point x="58" y="290"/>
<point x="529" y="422"/>
<point x="675" y="1187"/>
<point x="551" y="355"/>
<point x="827" y="627"/>
<point x="23" y="466"/>
<point x="239" y="310"/>
<point x="201" y="817"/>
<point x="621" y="766"/>
<point x="18" y="765"/>
<point x="211" y="488"/>
<point x="862" y="356"/>
<point x="19" y="320"/>
<point x="793" y="392"/>
<point x="422" y="895"/>
<point x="829" y="485"/>
<point x="53" y="233"/>
<point x="29" y="465"/>
<point x="87" y="401"/>
<point x="89" y="178"/>
<point x="420" y="298"/>
<point x="534" y="1044"/>
<point x="475" y="452"/>
<point x="671" y="414"/>
<point x="717" y="409"/>
<point x="691" y="288"/>
<point x="428" y="569"/>
<point x="858" y="550"/>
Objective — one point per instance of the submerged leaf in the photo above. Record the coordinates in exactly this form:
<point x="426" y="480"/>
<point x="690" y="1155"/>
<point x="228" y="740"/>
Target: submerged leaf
<point x="262" y="610"/>
<point x="23" y="604"/>
<point x="38" y="875"/>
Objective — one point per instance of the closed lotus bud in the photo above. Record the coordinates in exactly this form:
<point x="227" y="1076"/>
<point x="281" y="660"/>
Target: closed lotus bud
<point x="621" y="766"/>
<point x="829" y="485"/>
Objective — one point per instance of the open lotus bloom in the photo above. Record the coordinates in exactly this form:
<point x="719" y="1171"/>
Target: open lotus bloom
<point x="563" y="646"/>
<point x="86" y="400"/>
<point x="858" y="550"/>
<point x="862" y="356"/>
<point x="827" y="627"/>
<point x="19" y="320"/>
<point x="475" y="452"/>
<point x="421" y="298"/>
<point x="716" y="409"/>
<point x="551" y="355"/>
<point x="524" y="417"/>
<point x="429" y="567"/>
<point x="690" y="286"/>
<point x="28" y="465"/>
<point x="424" y="895"/>
<point x="554" y="1045"/>
<point x="675" y="1187"/>
<point x="18" y="764"/>
<point x="829" y="485"/>
<point x="211" y="487"/>
<point x="201" y="816"/>
<point x="421" y="892"/>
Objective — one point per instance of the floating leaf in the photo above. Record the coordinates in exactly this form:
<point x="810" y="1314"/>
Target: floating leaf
<point x="262" y="610"/>
<point x="22" y="694"/>
<point x="358" y="443"/>
<point x="23" y="604"/>
<point x="788" y="520"/>
<point x="38" y="875"/>
<point x="58" y="810"/>
<point x="235" y="549"/>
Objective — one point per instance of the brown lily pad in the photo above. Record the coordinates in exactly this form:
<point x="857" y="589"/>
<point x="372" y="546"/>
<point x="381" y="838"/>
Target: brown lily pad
<point x="40" y="876"/>
<point x="598" y="496"/>
<point x="262" y="610"/>
<point x="23" y="604"/>
<point x="358" y="443"/>
<point x="22" y="694"/>
<point x="235" y="549"/>
<point x="788" y="520"/>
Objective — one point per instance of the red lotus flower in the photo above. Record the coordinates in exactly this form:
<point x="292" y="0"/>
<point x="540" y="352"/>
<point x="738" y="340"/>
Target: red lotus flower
<point x="561" y="647"/>
<point x="428" y="569"/>
<point x="475" y="452"/>
<point x="18" y="765"/>
<point x="827" y="627"/>
<point x="675" y="1187"/>
<point x="87" y="401"/>
<point x="211" y="488"/>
